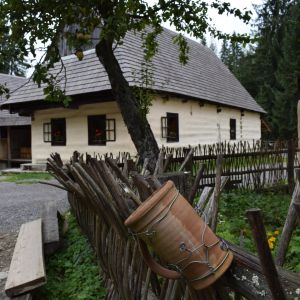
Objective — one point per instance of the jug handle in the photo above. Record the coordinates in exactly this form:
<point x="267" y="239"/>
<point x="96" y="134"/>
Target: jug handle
<point x="155" y="266"/>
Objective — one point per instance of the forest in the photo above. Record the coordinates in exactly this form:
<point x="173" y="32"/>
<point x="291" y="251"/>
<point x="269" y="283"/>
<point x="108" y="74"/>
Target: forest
<point x="269" y="68"/>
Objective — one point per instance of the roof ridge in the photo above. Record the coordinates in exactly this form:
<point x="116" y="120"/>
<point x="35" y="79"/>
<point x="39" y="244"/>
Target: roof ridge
<point x="204" y="77"/>
<point x="13" y="76"/>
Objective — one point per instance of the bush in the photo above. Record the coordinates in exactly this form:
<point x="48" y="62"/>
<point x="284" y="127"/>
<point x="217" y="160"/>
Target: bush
<point x="234" y="227"/>
<point x="72" y="273"/>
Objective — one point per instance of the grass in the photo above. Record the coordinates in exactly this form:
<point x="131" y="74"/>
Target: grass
<point x="72" y="273"/>
<point x="28" y="178"/>
<point x="233" y="224"/>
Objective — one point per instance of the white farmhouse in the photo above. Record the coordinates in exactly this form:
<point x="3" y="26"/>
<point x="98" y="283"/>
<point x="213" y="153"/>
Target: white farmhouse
<point x="193" y="103"/>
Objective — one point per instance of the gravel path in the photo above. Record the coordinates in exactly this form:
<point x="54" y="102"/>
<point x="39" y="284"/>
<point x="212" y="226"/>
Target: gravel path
<point x="20" y="203"/>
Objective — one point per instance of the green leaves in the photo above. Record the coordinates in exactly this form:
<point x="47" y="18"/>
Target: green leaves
<point x="72" y="273"/>
<point x="4" y="90"/>
<point x="183" y="48"/>
<point x="53" y="91"/>
<point x="12" y="60"/>
<point x="55" y="94"/>
<point x="233" y="222"/>
<point x="150" y="44"/>
<point x="270" y="71"/>
<point x="44" y="21"/>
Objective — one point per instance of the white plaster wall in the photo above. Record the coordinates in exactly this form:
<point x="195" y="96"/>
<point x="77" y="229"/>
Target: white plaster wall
<point x="77" y="132"/>
<point x="197" y="125"/>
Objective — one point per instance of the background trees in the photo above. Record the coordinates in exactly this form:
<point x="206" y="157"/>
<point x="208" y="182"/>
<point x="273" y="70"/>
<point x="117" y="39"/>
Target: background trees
<point x="12" y="60"/>
<point x="270" y="69"/>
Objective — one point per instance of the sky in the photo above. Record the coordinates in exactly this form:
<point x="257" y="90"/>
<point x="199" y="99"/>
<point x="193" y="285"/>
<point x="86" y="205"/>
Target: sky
<point x="227" y="24"/>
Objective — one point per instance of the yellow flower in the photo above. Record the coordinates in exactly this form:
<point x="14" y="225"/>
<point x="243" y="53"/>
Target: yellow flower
<point x="271" y="245"/>
<point x="276" y="232"/>
<point x="272" y="239"/>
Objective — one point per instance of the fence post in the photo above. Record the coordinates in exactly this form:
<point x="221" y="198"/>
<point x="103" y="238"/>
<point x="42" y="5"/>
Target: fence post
<point x="289" y="224"/>
<point x="264" y="253"/>
<point x="188" y="161"/>
<point x="290" y="166"/>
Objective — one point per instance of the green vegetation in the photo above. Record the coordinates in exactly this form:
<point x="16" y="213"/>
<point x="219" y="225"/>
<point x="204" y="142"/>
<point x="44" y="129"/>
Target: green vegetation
<point x="270" y="69"/>
<point x="234" y="227"/>
<point x="26" y="178"/>
<point x="12" y="61"/>
<point x="72" y="273"/>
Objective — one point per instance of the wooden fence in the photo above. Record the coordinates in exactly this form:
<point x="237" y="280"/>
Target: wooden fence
<point x="102" y="196"/>
<point x="251" y="165"/>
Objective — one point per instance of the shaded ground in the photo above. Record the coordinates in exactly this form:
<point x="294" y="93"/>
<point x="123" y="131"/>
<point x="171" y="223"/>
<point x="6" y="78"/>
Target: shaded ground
<point x="20" y="203"/>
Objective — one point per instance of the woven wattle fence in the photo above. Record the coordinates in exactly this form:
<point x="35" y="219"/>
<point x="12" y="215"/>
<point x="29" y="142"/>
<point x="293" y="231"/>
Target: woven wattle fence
<point x="102" y="196"/>
<point x="252" y="165"/>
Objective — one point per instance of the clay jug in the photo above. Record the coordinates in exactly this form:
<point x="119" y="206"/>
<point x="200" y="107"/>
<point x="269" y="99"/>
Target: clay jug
<point x="170" y="226"/>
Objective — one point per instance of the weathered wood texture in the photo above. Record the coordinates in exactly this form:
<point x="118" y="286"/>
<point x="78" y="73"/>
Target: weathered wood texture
<point x="246" y="277"/>
<point x="264" y="253"/>
<point x="97" y="204"/>
<point x="194" y="188"/>
<point x="290" y="165"/>
<point x="251" y="165"/>
<point x="213" y="213"/>
<point x="289" y="224"/>
<point x="27" y="270"/>
<point x="182" y="180"/>
<point x="50" y="228"/>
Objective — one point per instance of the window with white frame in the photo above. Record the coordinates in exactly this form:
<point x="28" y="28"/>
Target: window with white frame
<point x="47" y="132"/>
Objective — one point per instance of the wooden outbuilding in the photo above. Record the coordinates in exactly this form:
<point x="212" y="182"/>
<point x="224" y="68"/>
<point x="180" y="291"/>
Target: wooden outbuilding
<point x="15" y="131"/>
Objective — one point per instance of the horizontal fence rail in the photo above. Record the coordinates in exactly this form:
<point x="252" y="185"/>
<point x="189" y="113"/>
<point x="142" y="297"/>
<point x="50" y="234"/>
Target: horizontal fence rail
<point x="102" y="196"/>
<point x="252" y="164"/>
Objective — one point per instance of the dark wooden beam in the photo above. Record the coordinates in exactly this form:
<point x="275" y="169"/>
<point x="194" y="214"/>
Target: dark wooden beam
<point x="264" y="253"/>
<point x="9" y="146"/>
<point x="27" y="108"/>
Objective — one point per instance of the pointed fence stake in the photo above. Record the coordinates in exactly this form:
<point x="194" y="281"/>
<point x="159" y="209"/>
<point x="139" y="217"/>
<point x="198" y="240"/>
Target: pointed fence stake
<point x="289" y="224"/>
<point x="264" y="253"/>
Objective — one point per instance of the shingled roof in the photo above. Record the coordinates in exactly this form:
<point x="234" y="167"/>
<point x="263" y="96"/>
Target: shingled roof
<point x="7" y="119"/>
<point x="204" y="77"/>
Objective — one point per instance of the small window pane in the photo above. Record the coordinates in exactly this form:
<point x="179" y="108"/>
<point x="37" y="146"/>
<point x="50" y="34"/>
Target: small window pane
<point x="232" y="129"/>
<point x="172" y="127"/>
<point x="164" y="127"/>
<point x="58" y="132"/>
<point x="110" y="130"/>
<point x="47" y="132"/>
<point x="97" y="130"/>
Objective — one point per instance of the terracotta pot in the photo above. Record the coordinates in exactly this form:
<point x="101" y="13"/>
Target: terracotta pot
<point x="172" y="228"/>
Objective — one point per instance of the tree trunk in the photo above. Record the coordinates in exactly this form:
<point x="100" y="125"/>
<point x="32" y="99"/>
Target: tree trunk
<point x="138" y="127"/>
